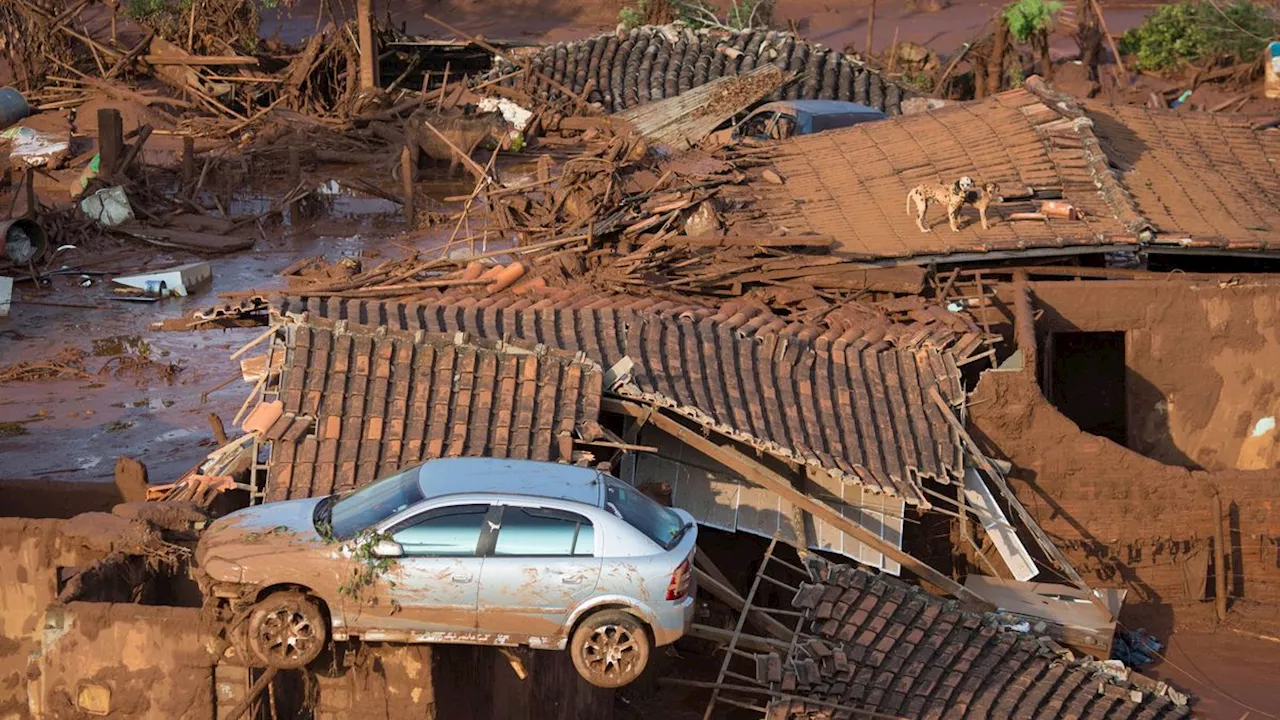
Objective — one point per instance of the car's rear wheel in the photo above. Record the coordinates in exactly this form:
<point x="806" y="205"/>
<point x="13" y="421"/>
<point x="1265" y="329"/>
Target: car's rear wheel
<point x="287" y="630"/>
<point x="610" y="648"/>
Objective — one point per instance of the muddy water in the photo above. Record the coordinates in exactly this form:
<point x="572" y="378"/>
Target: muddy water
<point x="73" y="430"/>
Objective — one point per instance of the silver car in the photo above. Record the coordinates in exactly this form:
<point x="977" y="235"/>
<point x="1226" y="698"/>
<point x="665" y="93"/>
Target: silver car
<point x="461" y="550"/>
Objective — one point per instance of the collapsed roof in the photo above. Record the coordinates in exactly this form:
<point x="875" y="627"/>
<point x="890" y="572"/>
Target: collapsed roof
<point x="848" y="401"/>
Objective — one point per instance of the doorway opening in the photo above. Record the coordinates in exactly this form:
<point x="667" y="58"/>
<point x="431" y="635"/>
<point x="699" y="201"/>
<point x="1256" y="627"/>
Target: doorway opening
<point x="1085" y="379"/>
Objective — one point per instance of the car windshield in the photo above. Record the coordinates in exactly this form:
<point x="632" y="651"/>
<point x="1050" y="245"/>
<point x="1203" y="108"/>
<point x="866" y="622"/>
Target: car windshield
<point x="658" y="523"/>
<point x="368" y="505"/>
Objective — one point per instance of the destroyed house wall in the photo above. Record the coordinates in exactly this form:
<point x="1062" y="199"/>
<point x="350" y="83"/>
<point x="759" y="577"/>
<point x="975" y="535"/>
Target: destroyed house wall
<point x="1125" y="520"/>
<point x="884" y="646"/>
<point x="1201" y="179"/>
<point x="650" y="63"/>
<point x="852" y="184"/>
<point x="374" y="400"/>
<point x="1196" y="390"/>
<point x="854" y="406"/>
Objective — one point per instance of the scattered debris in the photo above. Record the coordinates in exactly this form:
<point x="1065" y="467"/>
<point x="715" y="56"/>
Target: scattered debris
<point x="177" y="281"/>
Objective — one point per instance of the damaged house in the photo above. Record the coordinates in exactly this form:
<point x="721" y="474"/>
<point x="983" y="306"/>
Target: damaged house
<point x="974" y="456"/>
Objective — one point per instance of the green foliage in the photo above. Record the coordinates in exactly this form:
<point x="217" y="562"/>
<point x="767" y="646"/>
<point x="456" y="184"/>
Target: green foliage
<point x="143" y="9"/>
<point x="1028" y="19"/>
<point x="368" y="567"/>
<point x="919" y="79"/>
<point x="632" y="17"/>
<point x="1192" y="31"/>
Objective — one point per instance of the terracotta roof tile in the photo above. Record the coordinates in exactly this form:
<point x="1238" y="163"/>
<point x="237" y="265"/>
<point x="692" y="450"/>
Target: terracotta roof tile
<point x="881" y="645"/>
<point x="852" y="184"/>
<point x="377" y="400"/>
<point x="1206" y="178"/>
<point x="853" y="402"/>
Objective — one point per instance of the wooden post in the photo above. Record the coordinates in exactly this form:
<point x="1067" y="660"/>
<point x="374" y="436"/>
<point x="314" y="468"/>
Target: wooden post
<point x="1219" y="559"/>
<point x="406" y="177"/>
<point x="188" y="160"/>
<point x="110" y="141"/>
<point x="995" y="66"/>
<point x="756" y="473"/>
<point x="131" y="479"/>
<point x="893" y="50"/>
<point x="1111" y="43"/>
<point x="32" y="203"/>
<point x="871" y="26"/>
<point x="219" y="432"/>
<point x="368" y="49"/>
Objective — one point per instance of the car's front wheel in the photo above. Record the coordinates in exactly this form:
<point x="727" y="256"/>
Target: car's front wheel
<point x="287" y="630"/>
<point x="610" y="648"/>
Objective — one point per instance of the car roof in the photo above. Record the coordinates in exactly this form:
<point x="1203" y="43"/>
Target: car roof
<point x="822" y="107"/>
<point x="450" y="476"/>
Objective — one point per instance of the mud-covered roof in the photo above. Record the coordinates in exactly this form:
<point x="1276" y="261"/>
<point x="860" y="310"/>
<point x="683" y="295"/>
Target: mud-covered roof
<point x="884" y="646"/>
<point x="1201" y="179"/>
<point x="384" y="399"/>
<point x="852" y="184"/>
<point x="854" y="400"/>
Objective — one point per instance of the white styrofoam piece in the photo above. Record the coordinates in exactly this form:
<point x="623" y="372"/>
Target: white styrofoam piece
<point x="181" y="280"/>
<point x="6" y="295"/>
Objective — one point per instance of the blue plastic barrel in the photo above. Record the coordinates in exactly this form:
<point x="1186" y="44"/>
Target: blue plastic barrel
<point x="13" y="107"/>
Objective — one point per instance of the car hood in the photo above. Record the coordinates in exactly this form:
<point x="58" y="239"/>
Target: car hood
<point x="268" y="529"/>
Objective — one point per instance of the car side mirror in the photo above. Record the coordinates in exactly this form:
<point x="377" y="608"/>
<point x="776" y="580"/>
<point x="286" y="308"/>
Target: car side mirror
<point x="388" y="549"/>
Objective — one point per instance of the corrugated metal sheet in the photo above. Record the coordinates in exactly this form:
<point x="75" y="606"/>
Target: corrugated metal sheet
<point x="375" y="400"/>
<point x="1204" y="177"/>
<point x="852" y="184"/>
<point x="848" y="401"/>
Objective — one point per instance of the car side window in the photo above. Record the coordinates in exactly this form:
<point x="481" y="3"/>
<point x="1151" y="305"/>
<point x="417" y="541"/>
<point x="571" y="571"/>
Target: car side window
<point x="540" y="532"/>
<point x="450" y="531"/>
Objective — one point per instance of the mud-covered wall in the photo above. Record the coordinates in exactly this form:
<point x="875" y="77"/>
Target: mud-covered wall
<point x="1201" y="381"/>
<point x="1126" y="520"/>
<point x="653" y="63"/>
<point x="134" y="661"/>
<point x="30" y="553"/>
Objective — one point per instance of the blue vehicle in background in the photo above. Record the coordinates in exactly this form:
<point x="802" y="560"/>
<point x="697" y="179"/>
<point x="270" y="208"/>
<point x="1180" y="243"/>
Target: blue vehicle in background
<point x="787" y="118"/>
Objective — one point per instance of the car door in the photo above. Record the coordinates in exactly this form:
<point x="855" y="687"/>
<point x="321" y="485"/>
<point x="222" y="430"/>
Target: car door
<point x="543" y="564"/>
<point x="429" y="593"/>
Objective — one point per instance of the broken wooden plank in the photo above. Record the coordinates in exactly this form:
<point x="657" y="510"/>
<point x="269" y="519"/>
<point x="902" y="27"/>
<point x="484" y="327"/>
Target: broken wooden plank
<point x="186" y="239"/>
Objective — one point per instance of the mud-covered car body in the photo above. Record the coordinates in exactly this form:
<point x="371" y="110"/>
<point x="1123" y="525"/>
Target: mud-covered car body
<point x="467" y="550"/>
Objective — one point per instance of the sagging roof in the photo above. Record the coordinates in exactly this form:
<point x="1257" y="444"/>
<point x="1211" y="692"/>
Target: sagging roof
<point x="854" y="401"/>
<point x="852" y="184"/>
<point x="376" y="400"/>
<point x="1201" y="179"/>
<point x="652" y="63"/>
<point x="884" y="646"/>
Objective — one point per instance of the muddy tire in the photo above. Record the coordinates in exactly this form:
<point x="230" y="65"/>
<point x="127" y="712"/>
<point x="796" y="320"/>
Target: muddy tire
<point x="610" y="648"/>
<point x="287" y="630"/>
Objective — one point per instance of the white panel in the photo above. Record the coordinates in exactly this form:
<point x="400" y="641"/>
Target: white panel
<point x="1002" y="534"/>
<point x="715" y="497"/>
